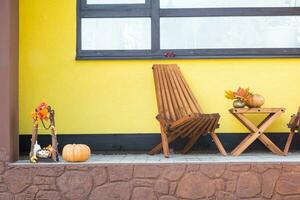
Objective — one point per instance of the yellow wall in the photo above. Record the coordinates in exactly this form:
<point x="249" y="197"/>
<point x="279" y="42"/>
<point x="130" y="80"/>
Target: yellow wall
<point x="118" y="96"/>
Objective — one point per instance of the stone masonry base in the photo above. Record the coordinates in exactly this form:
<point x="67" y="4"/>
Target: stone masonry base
<point x="214" y="181"/>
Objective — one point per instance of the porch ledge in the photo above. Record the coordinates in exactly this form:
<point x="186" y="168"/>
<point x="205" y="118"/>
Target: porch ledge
<point x="255" y="157"/>
<point x="260" y="175"/>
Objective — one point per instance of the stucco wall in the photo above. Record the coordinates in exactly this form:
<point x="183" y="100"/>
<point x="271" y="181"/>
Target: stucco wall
<point x="118" y="96"/>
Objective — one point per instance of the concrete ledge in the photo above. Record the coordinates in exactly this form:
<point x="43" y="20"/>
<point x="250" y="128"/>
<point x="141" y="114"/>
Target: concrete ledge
<point x="192" y="158"/>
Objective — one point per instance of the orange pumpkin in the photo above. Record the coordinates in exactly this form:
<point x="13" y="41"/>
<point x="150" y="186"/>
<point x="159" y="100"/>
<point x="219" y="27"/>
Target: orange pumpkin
<point x="255" y="101"/>
<point x="76" y="153"/>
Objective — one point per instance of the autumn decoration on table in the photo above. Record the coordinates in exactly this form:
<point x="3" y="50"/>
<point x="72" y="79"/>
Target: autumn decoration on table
<point x="43" y="114"/>
<point x="255" y="101"/>
<point x="243" y="97"/>
<point x="76" y="153"/>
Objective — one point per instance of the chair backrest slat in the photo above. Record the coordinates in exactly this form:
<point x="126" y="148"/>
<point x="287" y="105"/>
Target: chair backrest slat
<point x="159" y="95"/>
<point x="174" y="94"/>
<point x="191" y="108"/>
<point x="178" y="105"/>
<point x="174" y="97"/>
<point x="184" y="108"/>
<point x="167" y="100"/>
<point x="190" y="96"/>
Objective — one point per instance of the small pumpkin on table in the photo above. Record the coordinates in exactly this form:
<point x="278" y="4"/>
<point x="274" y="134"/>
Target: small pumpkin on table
<point x="243" y="97"/>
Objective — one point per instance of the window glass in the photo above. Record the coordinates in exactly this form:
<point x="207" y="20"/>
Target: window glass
<point x="227" y="3"/>
<point x="116" y="33"/>
<point x="115" y="1"/>
<point x="230" y="32"/>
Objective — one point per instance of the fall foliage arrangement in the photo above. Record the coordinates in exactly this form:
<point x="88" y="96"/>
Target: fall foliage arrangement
<point x="243" y="97"/>
<point x="44" y="114"/>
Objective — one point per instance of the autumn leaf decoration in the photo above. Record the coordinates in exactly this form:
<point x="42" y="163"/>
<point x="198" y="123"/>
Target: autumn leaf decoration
<point x="241" y="94"/>
<point x="41" y="112"/>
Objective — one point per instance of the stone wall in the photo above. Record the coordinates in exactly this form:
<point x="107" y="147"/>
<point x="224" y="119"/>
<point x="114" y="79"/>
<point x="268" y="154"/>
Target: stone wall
<point x="150" y="181"/>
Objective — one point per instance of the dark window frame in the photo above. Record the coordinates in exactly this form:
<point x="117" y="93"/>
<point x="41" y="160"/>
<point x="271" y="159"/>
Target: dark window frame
<point x="152" y="9"/>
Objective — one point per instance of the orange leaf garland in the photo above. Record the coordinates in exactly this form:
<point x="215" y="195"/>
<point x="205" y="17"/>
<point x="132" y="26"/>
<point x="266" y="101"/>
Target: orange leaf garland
<point x="41" y="113"/>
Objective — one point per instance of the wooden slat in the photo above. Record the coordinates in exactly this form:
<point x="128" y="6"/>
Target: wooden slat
<point x="190" y="103"/>
<point x="180" y="121"/>
<point x="246" y="122"/>
<point x="269" y="144"/>
<point x="256" y="110"/>
<point x="245" y="144"/>
<point x="168" y="103"/>
<point x="173" y="136"/>
<point x="218" y="143"/>
<point x="184" y="126"/>
<point x="264" y="126"/>
<point x="214" y="122"/>
<point x="160" y="106"/>
<point x="179" y="92"/>
<point x="176" y="102"/>
<point x="163" y="120"/>
<point x="164" y="141"/>
<point x="186" y="86"/>
<point x="195" y="137"/>
<point x="158" y="147"/>
<point x="200" y="122"/>
<point x="288" y="143"/>
<point x="266" y="119"/>
<point x="210" y="120"/>
<point x="217" y="117"/>
<point x="164" y="109"/>
<point x="187" y="93"/>
<point x="293" y="122"/>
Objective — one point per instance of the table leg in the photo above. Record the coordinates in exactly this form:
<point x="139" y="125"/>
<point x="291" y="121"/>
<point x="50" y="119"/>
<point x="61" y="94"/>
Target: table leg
<point x="270" y="145"/>
<point x="245" y="144"/>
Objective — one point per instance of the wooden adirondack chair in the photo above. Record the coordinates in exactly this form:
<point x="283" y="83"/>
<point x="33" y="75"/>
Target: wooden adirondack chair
<point x="179" y="112"/>
<point x="294" y="126"/>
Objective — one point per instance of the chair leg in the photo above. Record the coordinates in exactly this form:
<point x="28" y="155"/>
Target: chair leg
<point x="218" y="143"/>
<point x="158" y="147"/>
<point x="191" y="142"/>
<point x="164" y="141"/>
<point x="288" y="143"/>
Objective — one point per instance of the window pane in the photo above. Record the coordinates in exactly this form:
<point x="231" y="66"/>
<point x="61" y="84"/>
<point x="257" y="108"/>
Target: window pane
<point x="115" y="1"/>
<point x="230" y="32"/>
<point x="116" y="33"/>
<point x="227" y="3"/>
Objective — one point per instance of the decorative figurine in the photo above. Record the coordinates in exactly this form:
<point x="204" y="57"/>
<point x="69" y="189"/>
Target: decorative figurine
<point x="44" y="113"/>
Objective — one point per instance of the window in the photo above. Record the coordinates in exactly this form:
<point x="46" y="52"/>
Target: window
<point x="167" y="29"/>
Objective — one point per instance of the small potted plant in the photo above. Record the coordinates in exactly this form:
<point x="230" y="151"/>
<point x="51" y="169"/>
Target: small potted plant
<point x="240" y="97"/>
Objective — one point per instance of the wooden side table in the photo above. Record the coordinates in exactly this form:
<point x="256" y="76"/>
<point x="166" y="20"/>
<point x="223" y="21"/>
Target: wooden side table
<point x="256" y="132"/>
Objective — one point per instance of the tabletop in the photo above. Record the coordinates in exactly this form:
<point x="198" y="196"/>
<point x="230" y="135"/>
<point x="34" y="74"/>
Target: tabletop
<point x="256" y="110"/>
